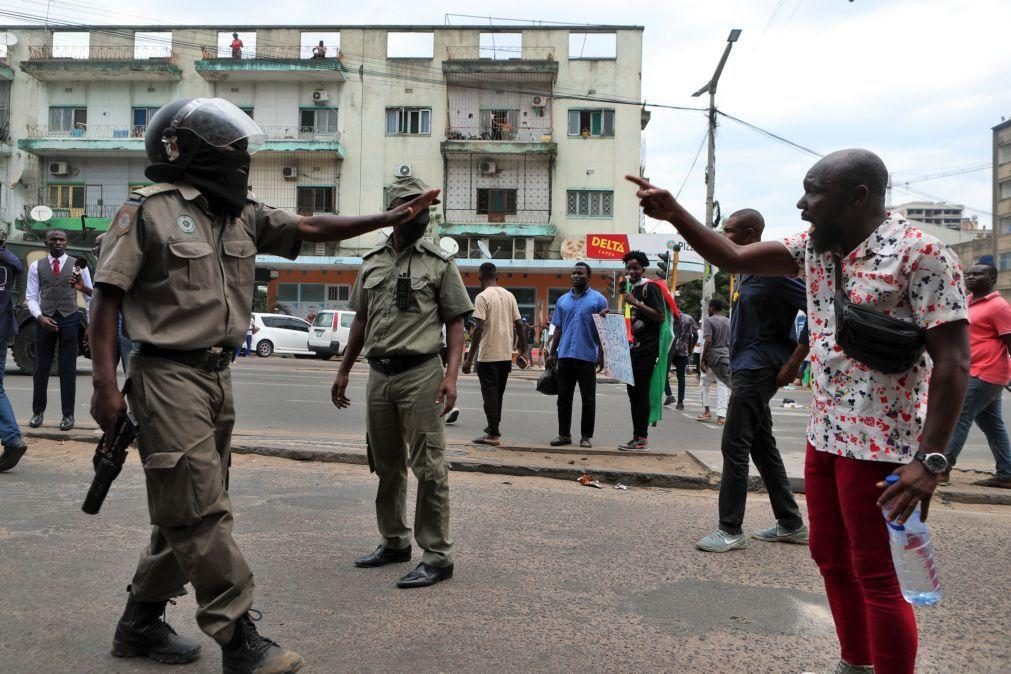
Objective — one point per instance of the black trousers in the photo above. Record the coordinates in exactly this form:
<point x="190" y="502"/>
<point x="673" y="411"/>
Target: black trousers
<point x="749" y="431"/>
<point x="45" y="345"/>
<point x="572" y="371"/>
<point x="493" y="377"/>
<point x="680" y="366"/>
<point x="638" y="395"/>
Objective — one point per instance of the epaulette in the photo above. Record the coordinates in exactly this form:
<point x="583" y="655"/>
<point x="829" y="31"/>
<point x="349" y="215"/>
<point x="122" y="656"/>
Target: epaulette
<point x="144" y="192"/>
<point x="374" y="250"/>
<point x="430" y="247"/>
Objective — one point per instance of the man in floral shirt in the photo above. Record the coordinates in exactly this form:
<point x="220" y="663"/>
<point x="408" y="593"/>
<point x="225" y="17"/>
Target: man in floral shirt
<point x="865" y="424"/>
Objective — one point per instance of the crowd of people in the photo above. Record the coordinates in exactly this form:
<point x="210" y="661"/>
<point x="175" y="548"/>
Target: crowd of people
<point x="871" y="416"/>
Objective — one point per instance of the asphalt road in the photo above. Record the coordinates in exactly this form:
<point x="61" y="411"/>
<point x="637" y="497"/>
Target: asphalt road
<point x="281" y="396"/>
<point x="550" y="577"/>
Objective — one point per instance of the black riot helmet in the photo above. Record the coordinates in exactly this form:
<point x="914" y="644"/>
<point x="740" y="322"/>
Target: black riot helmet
<point x="181" y="128"/>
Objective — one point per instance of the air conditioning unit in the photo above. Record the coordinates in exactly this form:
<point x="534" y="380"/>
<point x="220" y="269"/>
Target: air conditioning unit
<point x="289" y="173"/>
<point x="487" y="168"/>
<point x="59" y="168"/>
<point x="403" y="171"/>
<point x="320" y="96"/>
<point x="538" y="102"/>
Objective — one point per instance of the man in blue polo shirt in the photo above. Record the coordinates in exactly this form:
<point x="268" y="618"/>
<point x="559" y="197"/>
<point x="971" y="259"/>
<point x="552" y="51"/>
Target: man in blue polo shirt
<point x="763" y="357"/>
<point x="575" y="348"/>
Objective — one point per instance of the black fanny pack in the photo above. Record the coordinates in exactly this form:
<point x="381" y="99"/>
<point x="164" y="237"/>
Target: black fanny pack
<point x="885" y="343"/>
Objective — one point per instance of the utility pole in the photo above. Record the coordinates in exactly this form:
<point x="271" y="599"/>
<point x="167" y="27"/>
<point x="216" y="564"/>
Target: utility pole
<point x="708" y="284"/>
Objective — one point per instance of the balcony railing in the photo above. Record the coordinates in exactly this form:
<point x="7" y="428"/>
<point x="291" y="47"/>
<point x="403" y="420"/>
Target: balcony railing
<point x="92" y="211"/>
<point x="47" y="53"/>
<point x="471" y="53"/>
<point x="297" y="53"/>
<point x="520" y="135"/>
<point x="99" y="132"/>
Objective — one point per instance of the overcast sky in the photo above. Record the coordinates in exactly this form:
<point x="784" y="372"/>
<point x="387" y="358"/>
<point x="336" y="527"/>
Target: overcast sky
<point x="920" y="82"/>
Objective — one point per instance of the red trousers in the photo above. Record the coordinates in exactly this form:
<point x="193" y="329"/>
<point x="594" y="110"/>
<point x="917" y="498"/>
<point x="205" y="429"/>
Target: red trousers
<point x="849" y="542"/>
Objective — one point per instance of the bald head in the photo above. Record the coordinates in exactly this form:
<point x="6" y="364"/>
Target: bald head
<point x="744" y="226"/>
<point x="854" y="168"/>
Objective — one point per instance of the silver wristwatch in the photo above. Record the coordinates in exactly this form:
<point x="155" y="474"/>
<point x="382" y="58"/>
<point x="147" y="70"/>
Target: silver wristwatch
<point x="935" y="462"/>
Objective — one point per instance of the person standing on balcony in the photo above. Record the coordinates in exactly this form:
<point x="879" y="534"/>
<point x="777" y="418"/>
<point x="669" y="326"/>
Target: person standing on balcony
<point x="236" y="46"/>
<point x="51" y="296"/>
<point x="319" y="51"/>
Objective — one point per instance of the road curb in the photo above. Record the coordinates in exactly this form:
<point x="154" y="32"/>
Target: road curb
<point x="307" y="452"/>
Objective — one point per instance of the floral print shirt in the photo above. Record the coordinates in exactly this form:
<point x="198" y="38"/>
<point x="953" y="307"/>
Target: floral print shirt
<point x="856" y="411"/>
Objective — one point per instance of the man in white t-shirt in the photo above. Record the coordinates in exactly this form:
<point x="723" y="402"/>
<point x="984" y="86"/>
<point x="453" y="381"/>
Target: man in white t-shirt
<point x="498" y="323"/>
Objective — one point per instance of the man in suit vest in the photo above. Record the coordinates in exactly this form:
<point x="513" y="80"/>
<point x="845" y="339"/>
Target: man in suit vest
<point x="51" y="296"/>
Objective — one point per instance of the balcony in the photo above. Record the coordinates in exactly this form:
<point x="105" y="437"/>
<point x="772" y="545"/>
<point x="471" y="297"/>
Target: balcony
<point x="126" y="140"/>
<point x="268" y="65"/>
<point x="530" y="63"/>
<point x="93" y="64"/>
<point x="6" y="72"/>
<point x="462" y="140"/>
<point x="73" y="220"/>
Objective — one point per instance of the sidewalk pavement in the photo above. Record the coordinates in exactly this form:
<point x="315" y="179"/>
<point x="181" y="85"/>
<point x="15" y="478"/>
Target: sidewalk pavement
<point x="693" y="469"/>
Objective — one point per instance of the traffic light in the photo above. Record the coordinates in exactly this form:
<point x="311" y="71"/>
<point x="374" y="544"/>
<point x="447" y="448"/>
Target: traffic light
<point x="663" y="265"/>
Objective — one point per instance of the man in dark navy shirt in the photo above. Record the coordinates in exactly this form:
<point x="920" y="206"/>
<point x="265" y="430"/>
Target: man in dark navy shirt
<point x="13" y="445"/>
<point x="763" y="357"/>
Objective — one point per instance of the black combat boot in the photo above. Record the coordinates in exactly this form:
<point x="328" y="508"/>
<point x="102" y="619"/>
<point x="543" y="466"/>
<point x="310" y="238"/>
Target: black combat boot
<point x="250" y="653"/>
<point x="142" y="632"/>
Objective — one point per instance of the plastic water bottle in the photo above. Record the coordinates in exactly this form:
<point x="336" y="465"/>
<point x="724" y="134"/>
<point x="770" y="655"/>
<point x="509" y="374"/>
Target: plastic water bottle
<point x="913" y="556"/>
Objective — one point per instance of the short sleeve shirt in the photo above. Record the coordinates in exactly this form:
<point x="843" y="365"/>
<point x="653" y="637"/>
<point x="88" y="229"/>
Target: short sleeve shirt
<point x="859" y="412"/>
<point x="645" y="331"/>
<point x="188" y="274"/>
<point x="574" y="315"/>
<point x="762" y="323"/>
<point x="989" y="321"/>
<point x="437" y="295"/>
<point x="497" y="307"/>
<point x="717" y="328"/>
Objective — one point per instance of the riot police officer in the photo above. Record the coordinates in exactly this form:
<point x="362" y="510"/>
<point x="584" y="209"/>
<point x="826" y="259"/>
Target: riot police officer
<point x="406" y="291"/>
<point x="179" y="261"/>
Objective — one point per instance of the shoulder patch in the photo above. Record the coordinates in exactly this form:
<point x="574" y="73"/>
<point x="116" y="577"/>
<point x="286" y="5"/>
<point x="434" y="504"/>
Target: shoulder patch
<point x="125" y="218"/>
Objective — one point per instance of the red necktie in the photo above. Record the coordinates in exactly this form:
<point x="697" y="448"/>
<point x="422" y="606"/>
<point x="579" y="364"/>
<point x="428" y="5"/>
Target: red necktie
<point x="56" y="267"/>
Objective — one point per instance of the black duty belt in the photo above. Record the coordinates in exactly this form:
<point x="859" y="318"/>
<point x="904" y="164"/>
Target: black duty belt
<point x="214" y="359"/>
<point x="397" y="364"/>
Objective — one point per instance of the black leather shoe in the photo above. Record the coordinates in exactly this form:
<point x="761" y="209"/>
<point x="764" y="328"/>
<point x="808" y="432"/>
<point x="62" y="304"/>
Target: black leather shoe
<point x="36" y="420"/>
<point x="67" y="423"/>
<point x="12" y="454"/>
<point x="561" y="440"/>
<point x="383" y="556"/>
<point x="425" y="575"/>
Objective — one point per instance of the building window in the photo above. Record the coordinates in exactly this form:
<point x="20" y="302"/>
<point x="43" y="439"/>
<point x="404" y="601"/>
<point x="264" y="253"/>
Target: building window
<point x="318" y="121"/>
<point x="496" y="202"/>
<point x="408" y="121"/>
<point x="1004" y="154"/>
<point x="1005" y="190"/>
<point x="589" y="203"/>
<point x="67" y="200"/>
<point x="591" y="123"/>
<point x="141" y="117"/>
<point x="1005" y="225"/>
<point x="71" y="121"/>
<point x="311" y="200"/>
<point x="338" y="293"/>
<point x="526" y="301"/>
<point x="1005" y="261"/>
<point x="247" y="110"/>
<point x="593" y="46"/>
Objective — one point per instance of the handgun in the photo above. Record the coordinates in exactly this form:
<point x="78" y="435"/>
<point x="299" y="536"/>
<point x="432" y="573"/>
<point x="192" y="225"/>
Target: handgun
<point x="109" y="457"/>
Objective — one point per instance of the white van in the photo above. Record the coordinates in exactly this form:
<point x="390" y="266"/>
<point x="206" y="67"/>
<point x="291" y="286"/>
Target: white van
<point x="330" y="333"/>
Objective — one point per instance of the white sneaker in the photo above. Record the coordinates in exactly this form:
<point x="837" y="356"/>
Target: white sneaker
<point x="721" y="541"/>
<point x="453" y="415"/>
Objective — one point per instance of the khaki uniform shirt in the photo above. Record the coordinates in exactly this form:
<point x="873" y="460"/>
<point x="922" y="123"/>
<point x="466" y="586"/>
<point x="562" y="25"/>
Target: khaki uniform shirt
<point x="189" y="275"/>
<point x="437" y="297"/>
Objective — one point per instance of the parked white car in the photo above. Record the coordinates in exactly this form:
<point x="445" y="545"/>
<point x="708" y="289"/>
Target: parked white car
<point x="330" y="333"/>
<point x="280" y="334"/>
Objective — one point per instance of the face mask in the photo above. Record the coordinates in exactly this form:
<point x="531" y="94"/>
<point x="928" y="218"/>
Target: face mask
<point x="414" y="229"/>
<point x="222" y="177"/>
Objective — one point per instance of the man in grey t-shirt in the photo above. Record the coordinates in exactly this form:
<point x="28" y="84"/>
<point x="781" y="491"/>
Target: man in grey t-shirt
<point x="715" y="360"/>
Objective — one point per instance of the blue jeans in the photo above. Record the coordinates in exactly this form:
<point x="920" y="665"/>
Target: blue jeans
<point x="9" y="431"/>
<point x="982" y="405"/>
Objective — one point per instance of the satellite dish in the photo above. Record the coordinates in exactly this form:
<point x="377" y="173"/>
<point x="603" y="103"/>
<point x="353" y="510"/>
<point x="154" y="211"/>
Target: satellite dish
<point x="482" y="245"/>
<point x="41" y="213"/>
<point x="8" y="39"/>
<point x="449" y="245"/>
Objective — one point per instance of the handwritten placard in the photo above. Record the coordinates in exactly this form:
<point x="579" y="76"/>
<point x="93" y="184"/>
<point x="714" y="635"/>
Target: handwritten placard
<point x="614" y="339"/>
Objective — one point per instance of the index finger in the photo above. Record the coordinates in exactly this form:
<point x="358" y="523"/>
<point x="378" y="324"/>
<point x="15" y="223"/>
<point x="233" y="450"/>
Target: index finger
<point x="641" y="182"/>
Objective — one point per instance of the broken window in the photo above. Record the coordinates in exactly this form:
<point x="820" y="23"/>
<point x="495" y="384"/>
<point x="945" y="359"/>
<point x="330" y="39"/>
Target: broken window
<point x="410" y="45"/>
<point x="593" y="46"/>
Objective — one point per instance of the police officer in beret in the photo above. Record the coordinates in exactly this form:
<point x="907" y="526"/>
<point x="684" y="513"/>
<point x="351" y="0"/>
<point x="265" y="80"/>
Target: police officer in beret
<point x="179" y="261"/>
<point x="405" y="292"/>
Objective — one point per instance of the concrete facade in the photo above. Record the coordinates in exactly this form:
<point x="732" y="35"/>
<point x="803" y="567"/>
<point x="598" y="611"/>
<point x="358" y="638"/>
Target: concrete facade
<point x="509" y="114"/>
<point x="932" y="213"/>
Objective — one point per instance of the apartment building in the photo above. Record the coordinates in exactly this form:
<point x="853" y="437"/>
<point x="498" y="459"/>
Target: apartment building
<point x="528" y="130"/>
<point x="932" y="213"/>
<point x="999" y="248"/>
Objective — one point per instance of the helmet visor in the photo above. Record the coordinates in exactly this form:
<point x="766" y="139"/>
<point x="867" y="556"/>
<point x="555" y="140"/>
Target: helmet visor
<point x="219" y="123"/>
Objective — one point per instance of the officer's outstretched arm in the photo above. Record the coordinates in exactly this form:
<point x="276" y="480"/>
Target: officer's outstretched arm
<point x="340" y="227"/>
<point x="107" y="404"/>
